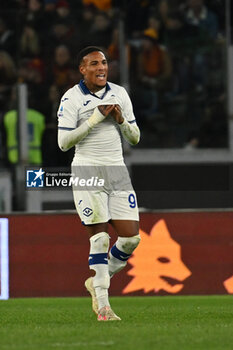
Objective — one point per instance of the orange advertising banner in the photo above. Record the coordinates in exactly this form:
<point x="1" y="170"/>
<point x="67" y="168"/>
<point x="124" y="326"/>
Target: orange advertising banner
<point x="179" y="253"/>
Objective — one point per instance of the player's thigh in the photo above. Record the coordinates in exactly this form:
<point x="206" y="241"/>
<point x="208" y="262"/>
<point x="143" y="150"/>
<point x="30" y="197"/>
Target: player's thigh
<point x="124" y="214"/>
<point x="96" y="228"/>
<point x="125" y="228"/>
<point x="92" y="206"/>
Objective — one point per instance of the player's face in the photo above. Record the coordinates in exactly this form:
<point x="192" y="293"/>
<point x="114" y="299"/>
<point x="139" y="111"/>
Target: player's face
<point x="94" y="69"/>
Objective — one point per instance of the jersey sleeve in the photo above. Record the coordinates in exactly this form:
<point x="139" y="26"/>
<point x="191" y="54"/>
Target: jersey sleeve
<point x="127" y="110"/>
<point x="128" y="128"/>
<point x="67" y="113"/>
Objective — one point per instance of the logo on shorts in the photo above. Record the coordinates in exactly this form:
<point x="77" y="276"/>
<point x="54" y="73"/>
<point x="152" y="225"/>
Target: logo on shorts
<point x="35" y="178"/>
<point x="87" y="211"/>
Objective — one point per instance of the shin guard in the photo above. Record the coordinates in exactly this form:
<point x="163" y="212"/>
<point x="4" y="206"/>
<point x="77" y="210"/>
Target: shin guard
<point x="121" y="252"/>
<point x="98" y="259"/>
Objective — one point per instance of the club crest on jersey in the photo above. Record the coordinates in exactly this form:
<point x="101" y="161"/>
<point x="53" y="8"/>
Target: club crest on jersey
<point x="87" y="211"/>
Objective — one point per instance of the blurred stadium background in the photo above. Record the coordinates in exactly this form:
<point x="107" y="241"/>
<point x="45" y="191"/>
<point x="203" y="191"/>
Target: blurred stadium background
<point x="175" y="58"/>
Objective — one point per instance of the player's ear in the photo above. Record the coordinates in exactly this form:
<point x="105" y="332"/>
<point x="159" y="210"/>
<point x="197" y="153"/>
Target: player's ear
<point x="82" y="69"/>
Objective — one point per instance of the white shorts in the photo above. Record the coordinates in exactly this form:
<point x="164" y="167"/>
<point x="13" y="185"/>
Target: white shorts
<point x="115" y="199"/>
<point x="96" y="207"/>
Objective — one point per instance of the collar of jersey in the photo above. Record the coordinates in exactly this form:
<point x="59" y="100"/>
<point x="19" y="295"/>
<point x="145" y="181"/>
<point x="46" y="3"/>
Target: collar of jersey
<point x="86" y="91"/>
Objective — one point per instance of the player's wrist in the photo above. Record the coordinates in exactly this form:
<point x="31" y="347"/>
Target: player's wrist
<point x="122" y="122"/>
<point x="95" y="118"/>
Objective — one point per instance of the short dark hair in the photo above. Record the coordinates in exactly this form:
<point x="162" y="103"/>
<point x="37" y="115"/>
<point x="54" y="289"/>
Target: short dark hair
<point x="88" y="50"/>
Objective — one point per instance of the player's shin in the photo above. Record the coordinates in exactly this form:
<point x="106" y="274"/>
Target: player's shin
<point x="98" y="261"/>
<point x="121" y="252"/>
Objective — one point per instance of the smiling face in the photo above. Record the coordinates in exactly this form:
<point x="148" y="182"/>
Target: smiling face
<point x="94" y="68"/>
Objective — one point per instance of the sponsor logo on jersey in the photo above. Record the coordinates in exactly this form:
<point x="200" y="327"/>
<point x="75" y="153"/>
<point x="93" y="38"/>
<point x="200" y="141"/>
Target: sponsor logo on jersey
<point x="86" y="103"/>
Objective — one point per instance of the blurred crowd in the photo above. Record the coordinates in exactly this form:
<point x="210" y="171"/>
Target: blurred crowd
<point x="176" y="58"/>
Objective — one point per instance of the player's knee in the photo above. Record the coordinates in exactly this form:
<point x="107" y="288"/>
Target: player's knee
<point x="99" y="243"/>
<point x="121" y="252"/>
<point x="128" y="244"/>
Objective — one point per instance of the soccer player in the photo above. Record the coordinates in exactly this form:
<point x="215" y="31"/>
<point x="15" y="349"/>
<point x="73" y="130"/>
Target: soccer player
<point x="92" y="116"/>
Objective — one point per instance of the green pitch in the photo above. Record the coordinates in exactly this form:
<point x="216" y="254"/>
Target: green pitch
<point x="147" y="323"/>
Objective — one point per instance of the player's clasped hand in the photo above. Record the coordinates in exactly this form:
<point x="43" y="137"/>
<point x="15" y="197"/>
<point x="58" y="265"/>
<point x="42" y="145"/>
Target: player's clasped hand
<point x="106" y="109"/>
<point x="117" y="115"/>
<point x="113" y="110"/>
